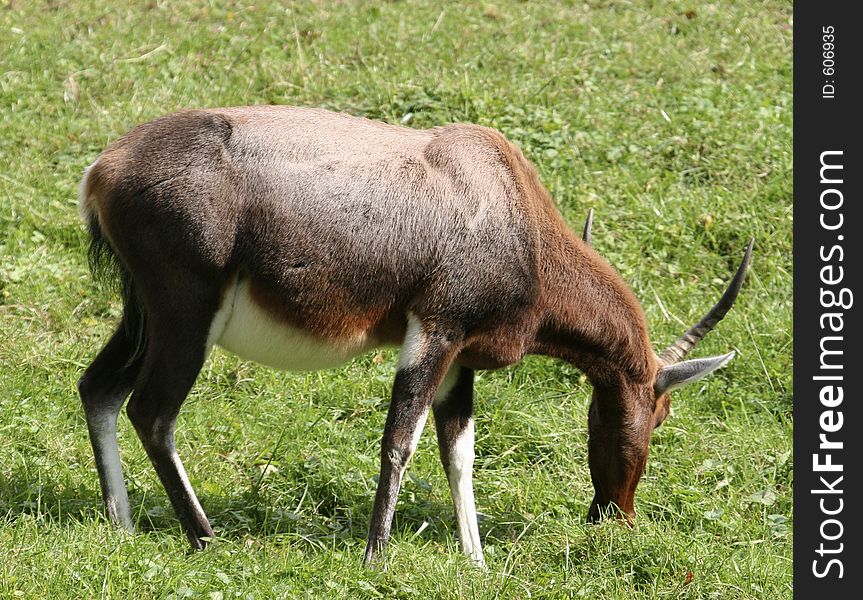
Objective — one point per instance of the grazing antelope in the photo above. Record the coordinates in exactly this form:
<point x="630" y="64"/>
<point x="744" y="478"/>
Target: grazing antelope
<point x="300" y="238"/>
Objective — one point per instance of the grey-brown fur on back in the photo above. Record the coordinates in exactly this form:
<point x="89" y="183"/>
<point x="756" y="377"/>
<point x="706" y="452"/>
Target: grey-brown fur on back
<point x="292" y="196"/>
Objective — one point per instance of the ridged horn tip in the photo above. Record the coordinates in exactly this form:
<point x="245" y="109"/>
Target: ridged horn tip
<point x="588" y="225"/>
<point x="682" y="346"/>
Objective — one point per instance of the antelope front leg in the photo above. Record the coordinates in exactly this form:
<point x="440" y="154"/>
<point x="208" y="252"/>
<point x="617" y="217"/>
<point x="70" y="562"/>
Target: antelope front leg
<point x="425" y="357"/>
<point x="453" y="413"/>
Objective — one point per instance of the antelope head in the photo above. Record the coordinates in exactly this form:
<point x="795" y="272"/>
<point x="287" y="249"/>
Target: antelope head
<point x="622" y="416"/>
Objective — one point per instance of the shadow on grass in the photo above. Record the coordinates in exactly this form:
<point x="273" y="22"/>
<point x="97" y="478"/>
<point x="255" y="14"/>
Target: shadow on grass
<point x="342" y="519"/>
<point x="31" y="495"/>
<point x="346" y="522"/>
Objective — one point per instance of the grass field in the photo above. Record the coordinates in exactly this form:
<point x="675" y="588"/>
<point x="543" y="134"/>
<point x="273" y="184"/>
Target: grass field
<point x="671" y="119"/>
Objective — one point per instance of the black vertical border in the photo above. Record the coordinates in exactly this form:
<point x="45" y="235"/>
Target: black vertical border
<point x="823" y="124"/>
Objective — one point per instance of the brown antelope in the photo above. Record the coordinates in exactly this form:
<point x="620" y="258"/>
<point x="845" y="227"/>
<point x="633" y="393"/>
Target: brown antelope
<point x="300" y="238"/>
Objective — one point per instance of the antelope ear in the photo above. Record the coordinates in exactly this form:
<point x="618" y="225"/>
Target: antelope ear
<point x="679" y="374"/>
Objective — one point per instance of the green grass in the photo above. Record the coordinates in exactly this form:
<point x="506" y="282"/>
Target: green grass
<point x="671" y="119"/>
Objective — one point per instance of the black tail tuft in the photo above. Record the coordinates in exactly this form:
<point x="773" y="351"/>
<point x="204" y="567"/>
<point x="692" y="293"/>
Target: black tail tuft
<point x="110" y="273"/>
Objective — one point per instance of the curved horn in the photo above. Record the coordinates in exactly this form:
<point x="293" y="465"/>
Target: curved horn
<point x="588" y="224"/>
<point x="679" y="349"/>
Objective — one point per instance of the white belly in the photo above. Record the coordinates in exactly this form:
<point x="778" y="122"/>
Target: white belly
<point x="242" y="327"/>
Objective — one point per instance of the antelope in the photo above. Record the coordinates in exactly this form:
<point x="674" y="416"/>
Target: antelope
<point x="300" y="238"/>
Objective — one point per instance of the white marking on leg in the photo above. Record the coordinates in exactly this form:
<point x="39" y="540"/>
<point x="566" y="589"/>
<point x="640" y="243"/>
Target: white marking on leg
<point x="103" y="429"/>
<point x="447" y="384"/>
<point x="412" y="351"/>
<point x="460" y="475"/>
<point x="221" y="318"/>
<point x="414" y="345"/>
<point x="187" y="486"/>
<point x="162" y="438"/>
<point x="416" y="434"/>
